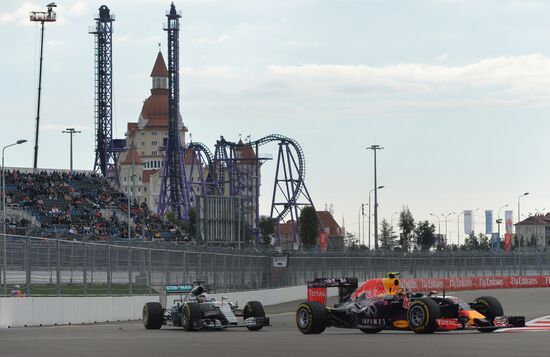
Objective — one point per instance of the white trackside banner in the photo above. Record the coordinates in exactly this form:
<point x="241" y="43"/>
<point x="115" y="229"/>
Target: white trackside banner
<point x="468" y="222"/>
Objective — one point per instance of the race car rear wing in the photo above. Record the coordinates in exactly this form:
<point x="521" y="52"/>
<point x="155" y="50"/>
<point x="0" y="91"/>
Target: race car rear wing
<point x="317" y="289"/>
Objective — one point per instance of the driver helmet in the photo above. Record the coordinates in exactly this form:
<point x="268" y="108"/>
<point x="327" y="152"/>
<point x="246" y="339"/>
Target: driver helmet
<point x="202" y="297"/>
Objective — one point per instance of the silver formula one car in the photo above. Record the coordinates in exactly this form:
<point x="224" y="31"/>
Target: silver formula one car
<point x="194" y="309"/>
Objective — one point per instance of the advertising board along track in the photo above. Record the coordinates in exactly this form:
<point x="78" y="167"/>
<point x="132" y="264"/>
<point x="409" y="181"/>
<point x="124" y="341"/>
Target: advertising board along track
<point x="477" y="283"/>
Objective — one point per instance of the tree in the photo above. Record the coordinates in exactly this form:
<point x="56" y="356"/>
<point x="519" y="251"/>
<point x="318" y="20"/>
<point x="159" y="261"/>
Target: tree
<point x="387" y="236"/>
<point x="351" y="242"/>
<point x="266" y="229"/>
<point x="309" y="226"/>
<point x="484" y="242"/>
<point x="425" y="235"/>
<point x="471" y="242"/>
<point x="406" y="223"/>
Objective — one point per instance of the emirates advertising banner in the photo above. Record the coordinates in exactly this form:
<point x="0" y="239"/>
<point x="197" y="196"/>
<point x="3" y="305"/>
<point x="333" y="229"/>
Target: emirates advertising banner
<point x="489" y="222"/>
<point x="508" y="219"/>
<point x="468" y="222"/>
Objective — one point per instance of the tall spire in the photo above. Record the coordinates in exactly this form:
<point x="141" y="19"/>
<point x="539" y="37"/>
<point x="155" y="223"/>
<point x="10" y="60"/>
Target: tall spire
<point x="159" y="76"/>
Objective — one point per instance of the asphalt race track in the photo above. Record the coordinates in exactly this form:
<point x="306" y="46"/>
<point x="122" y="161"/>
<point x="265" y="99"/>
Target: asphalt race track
<point x="283" y="338"/>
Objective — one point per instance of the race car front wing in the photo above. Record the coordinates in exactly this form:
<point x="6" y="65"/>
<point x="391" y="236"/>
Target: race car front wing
<point x="449" y="324"/>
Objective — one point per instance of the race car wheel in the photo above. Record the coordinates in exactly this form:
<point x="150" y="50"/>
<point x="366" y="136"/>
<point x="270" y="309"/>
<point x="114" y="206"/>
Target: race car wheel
<point x="191" y="313"/>
<point x="151" y="316"/>
<point x="253" y="309"/>
<point x="422" y="315"/>
<point x="490" y="307"/>
<point x="311" y="318"/>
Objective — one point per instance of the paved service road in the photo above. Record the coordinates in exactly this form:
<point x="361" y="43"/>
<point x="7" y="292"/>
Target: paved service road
<point x="283" y="338"/>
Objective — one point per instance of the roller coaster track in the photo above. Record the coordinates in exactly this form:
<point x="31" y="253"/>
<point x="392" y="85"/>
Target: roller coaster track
<point x="301" y="167"/>
<point x="281" y="139"/>
<point x="201" y="147"/>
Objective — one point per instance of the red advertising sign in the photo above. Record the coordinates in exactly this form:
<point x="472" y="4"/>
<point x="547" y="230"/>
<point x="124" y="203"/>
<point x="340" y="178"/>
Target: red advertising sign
<point x="317" y="294"/>
<point x="477" y="283"/>
<point x="507" y="241"/>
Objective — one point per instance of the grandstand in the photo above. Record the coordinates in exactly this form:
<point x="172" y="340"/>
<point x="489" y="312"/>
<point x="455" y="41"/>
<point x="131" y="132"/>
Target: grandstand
<point x="77" y="204"/>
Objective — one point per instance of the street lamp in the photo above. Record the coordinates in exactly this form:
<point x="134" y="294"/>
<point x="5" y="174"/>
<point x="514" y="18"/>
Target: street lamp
<point x="438" y="223"/>
<point x="375" y="233"/>
<point x="519" y="215"/>
<point x="363" y="216"/>
<point x="375" y="148"/>
<point x="499" y="221"/>
<point x="21" y="141"/>
<point x="458" y="226"/>
<point x="446" y="218"/>
<point x="71" y="132"/>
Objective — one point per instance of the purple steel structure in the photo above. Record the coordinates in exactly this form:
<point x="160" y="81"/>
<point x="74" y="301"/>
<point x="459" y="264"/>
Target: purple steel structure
<point x="200" y="171"/>
<point x="174" y="192"/>
<point x="106" y="148"/>
<point x="237" y="173"/>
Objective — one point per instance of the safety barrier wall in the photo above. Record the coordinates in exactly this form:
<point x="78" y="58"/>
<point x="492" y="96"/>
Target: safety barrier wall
<point x="478" y="283"/>
<point x="36" y="311"/>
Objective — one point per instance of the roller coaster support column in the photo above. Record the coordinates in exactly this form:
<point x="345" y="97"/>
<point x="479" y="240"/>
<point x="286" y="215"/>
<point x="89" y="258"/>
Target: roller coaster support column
<point x="174" y="193"/>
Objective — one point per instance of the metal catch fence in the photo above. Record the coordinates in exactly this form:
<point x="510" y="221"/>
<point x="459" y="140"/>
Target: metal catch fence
<point x="57" y="267"/>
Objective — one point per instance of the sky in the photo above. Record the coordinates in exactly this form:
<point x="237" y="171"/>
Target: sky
<point x="456" y="91"/>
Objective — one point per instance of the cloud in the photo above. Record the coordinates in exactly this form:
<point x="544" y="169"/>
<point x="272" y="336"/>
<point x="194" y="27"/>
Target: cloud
<point x="323" y="91"/>
<point x="19" y="16"/>
<point x="522" y="75"/>
<point x="442" y="57"/>
<point x="78" y="9"/>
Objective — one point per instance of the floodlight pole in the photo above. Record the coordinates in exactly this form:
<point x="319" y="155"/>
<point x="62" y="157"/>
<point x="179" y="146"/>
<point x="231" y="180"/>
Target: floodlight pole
<point x="375" y="148"/>
<point x="39" y="16"/>
<point x="71" y="132"/>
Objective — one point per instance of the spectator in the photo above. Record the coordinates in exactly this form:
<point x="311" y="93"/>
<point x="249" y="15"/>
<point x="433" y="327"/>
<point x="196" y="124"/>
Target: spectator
<point x="16" y="291"/>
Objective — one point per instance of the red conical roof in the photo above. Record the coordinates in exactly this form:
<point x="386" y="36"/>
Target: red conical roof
<point x="132" y="157"/>
<point x="159" y="69"/>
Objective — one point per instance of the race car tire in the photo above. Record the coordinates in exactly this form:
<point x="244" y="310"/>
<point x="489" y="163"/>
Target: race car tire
<point x="253" y="309"/>
<point x="422" y="315"/>
<point x="311" y="318"/>
<point x="191" y="312"/>
<point x="151" y="316"/>
<point x="490" y="307"/>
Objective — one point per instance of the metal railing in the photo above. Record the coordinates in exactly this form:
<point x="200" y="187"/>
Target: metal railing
<point x="57" y="267"/>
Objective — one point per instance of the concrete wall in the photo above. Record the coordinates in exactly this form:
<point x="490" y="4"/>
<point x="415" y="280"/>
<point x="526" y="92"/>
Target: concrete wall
<point x="36" y="311"/>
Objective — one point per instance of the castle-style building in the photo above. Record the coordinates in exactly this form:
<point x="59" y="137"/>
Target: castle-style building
<point x="144" y="139"/>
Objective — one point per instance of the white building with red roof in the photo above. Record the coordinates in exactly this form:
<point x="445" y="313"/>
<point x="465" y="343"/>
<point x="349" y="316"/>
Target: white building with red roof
<point x="145" y="138"/>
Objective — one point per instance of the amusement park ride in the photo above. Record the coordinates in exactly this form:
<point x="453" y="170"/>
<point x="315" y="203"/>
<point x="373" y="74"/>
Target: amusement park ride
<point x="190" y="172"/>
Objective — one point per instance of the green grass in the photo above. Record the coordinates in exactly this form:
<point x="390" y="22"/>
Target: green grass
<point x="93" y="290"/>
